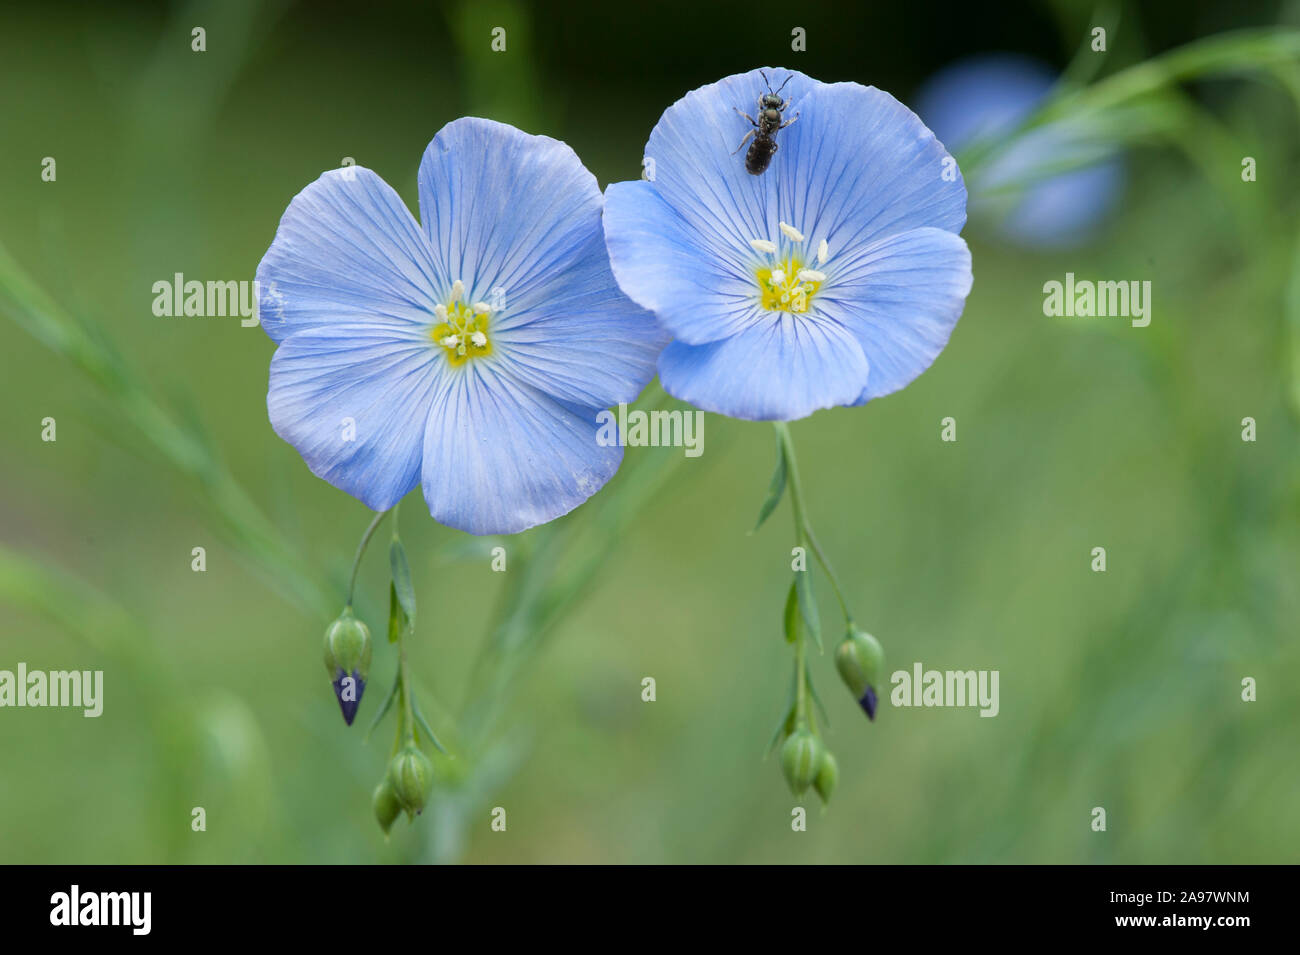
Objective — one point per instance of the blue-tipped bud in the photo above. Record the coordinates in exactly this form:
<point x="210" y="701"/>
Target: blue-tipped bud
<point x="347" y="658"/>
<point x="801" y="759"/>
<point x="827" y="776"/>
<point x="411" y="776"/>
<point x="387" y="808"/>
<point x="861" y="663"/>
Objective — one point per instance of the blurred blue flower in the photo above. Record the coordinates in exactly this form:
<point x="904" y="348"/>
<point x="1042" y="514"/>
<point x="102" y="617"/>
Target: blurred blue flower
<point x="833" y="278"/>
<point x="986" y="98"/>
<point x="471" y="354"/>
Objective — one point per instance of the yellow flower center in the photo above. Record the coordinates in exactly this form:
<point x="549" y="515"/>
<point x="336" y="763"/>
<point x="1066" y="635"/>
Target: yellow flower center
<point x="781" y="287"/>
<point x="785" y="283"/>
<point x="462" y="330"/>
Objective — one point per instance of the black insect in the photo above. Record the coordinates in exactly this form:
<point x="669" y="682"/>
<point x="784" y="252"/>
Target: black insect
<point x="770" y="108"/>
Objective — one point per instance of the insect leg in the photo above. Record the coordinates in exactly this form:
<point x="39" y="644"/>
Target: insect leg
<point x="742" y="142"/>
<point x="751" y="119"/>
<point x="788" y="121"/>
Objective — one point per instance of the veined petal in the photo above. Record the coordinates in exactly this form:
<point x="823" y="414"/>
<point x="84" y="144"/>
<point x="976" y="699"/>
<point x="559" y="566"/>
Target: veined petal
<point x="856" y="165"/>
<point x="353" y="400"/>
<point x="900" y="298"/>
<point x="697" y="294"/>
<point x="579" y="339"/>
<point x="784" y="367"/>
<point x="346" y="250"/>
<point x="702" y="178"/>
<point x="504" y="209"/>
<point x="518" y="219"/>
<point x="859" y="166"/>
<point x="501" y="456"/>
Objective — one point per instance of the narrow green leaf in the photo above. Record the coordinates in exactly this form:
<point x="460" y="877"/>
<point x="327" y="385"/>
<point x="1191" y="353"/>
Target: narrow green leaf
<point x="424" y="725"/>
<point x="808" y="605"/>
<point x="395" y="616"/>
<point x="402" y="579"/>
<point x="775" y="489"/>
<point x="388" y="705"/>
<point x="792" y="615"/>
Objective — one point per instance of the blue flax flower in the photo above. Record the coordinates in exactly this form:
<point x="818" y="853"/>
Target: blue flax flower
<point x="470" y="354"/>
<point x="834" y="277"/>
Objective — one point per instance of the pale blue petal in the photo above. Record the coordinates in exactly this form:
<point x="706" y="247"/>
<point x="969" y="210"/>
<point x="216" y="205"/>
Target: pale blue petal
<point x="501" y="456"/>
<point x="517" y="218"/>
<point x="347" y="249"/>
<point x="327" y="378"/>
<point x="856" y="165"/>
<point x="784" y="367"/>
<point x="504" y="209"/>
<point x="861" y="166"/>
<point x="901" y="298"/>
<point x="701" y="177"/>
<point x="696" y="294"/>
<point x="578" y="338"/>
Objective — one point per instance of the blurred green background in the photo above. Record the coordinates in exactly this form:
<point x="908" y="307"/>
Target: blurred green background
<point x="1119" y="690"/>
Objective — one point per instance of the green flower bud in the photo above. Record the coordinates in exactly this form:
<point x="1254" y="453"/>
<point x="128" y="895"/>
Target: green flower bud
<point x="386" y="805"/>
<point x="347" y="658"/>
<point x="861" y="663"/>
<point x="411" y="776"/>
<point x="801" y="759"/>
<point x="827" y="776"/>
<point x="347" y="645"/>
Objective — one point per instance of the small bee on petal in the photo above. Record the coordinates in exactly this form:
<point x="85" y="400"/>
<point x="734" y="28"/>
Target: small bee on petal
<point x="763" y="148"/>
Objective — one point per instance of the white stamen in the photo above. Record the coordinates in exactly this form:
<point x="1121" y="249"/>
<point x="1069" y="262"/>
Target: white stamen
<point x="457" y="290"/>
<point x="785" y="296"/>
<point x="479" y="339"/>
<point x="451" y="341"/>
<point x="790" y="232"/>
<point x="823" y="252"/>
<point x="811" y="275"/>
<point x="777" y="277"/>
<point x="461" y="350"/>
<point x="763" y="245"/>
<point x="482" y="308"/>
<point x="441" y="312"/>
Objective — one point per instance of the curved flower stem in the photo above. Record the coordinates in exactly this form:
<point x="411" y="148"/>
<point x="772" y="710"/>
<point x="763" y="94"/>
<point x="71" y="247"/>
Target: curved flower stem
<point x="830" y="574"/>
<point x="802" y="712"/>
<point x="361" y="548"/>
<point x="406" y="712"/>
<point x="803" y="531"/>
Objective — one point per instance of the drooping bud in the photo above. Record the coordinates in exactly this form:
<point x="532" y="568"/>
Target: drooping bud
<point x="411" y="776"/>
<point x="801" y="758"/>
<point x="827" y="776"/>
<point x="347" y="658"/>
<point x="386" y="805"/>
<point x="861" y="663"/>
